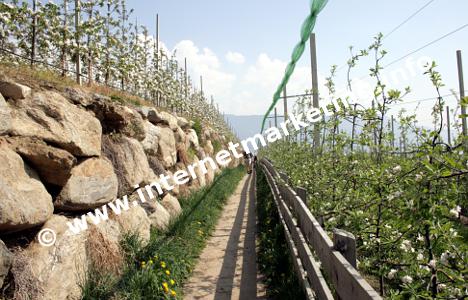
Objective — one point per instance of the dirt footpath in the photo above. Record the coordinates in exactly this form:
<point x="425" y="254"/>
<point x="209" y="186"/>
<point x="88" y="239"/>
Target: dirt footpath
<point x="227" y="267"/>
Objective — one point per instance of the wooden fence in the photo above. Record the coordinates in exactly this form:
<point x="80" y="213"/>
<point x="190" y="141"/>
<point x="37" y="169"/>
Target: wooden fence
<point x="312" y="249"/>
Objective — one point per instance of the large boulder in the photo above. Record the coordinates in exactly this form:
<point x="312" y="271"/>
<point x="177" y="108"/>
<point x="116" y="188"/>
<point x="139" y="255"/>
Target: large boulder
<point x="79" y="96"/>
<point x="55" y="272"/>
<point x="12" y="90"/>
<point x="151" y="141"/>
<point x="5" y="117"/>
<point x="129" y="161"/>
<point x="158" y="215"/>
<point x="167" y="152"/>
<point x="135" y="221"/>
<point x="192" y="140"/>
<point x="24" y="201"/>
<point x="209" y="149"/>
<point x="156" y="165"/>
<point x="6" y="259"/>
<point x="172" y="205"/>
<point x="180" y="136"/>
<point x="183" y="123"/>
<point x="92" y="183"/>
<point x="103" y="247"/>
<point x="163" y="118"/>
<point x="210" y="175"/>
<point x="146" y="112"/>
<point x="50" y="117"/>
<point x="116" y="118"/>
<point x="200" y="176"/>
<point x="52" y="164"/>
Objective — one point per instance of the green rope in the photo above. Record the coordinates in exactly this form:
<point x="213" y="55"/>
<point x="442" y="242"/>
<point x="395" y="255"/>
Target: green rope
<point x="306" y="29"/>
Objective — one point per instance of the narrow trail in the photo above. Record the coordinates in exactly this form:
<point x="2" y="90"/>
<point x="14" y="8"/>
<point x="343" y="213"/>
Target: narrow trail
<point x="227" y="267"/>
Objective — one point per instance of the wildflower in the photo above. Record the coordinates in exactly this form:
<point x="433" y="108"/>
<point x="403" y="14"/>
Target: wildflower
<point x="150" y="262"/>
<point x="172" y="282"/>
<point x="168" y="272"/>
<point x="418" y="177"/>
<point x="420" y="238"/>
<point x="432" y="263"/>
<point x="407" y="279"/>
<point x="441" y="286"/>
<point x="163" y="265"/>
<point x="396" y="169"/>
<point x="165" y="287"/>
<point x="173" y="293"/>
<point x="391" y="274"/>
<point x="420" y="256"/>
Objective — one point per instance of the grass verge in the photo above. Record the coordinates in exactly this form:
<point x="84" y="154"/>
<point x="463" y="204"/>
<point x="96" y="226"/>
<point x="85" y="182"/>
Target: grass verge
<point x="159" y="270"/>
<point x="274" y="257"/>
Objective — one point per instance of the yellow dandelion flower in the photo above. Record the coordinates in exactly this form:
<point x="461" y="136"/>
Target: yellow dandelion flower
<point x="163" y="264"/>
<point x="172" y="282"/>
<point x="168" y="272"/>
<point x="165" y="287"/>
<point x="150" y="262"/>
<point x="173" y="293"/>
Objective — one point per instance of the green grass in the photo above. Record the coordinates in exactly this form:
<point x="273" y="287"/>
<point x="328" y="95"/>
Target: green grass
<point x="175" y="250"/>
<point x="274" y="258"/>
<point x="197" y="126"/>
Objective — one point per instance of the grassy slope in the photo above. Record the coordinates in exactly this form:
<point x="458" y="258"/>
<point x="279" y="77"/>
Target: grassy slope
<point x="171" y="255"/>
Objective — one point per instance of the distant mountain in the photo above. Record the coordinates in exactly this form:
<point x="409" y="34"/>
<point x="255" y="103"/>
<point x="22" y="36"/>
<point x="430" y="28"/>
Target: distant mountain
<point x="247" y="126"/>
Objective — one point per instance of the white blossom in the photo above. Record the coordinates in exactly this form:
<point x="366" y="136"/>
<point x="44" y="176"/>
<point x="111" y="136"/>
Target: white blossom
<point x="444" y="258"/>
<point x="406" y="246"/>
<point x="391" y="274"/>
<point x="425" y="268"/>
<point x="432" y="263"/>
<point x="420" y="256"/>
<point x="407" y="279"/>
<point x="455" y="212"/>
<point x="397" y="169"/>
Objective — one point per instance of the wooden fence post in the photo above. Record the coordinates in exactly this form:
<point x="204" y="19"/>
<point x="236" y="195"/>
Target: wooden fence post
<point x="315" y="92"/>
<point x="345" y="243"/>
<point x="276" y="118"/>
<point x="284" y="177"/>
<point x="449" y="135"/>
<point x="302" y="193"/>
<point x="462" y="95"/>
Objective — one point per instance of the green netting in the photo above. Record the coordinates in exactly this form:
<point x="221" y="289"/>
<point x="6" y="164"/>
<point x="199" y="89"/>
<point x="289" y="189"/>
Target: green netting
<point x="316" y="7"/>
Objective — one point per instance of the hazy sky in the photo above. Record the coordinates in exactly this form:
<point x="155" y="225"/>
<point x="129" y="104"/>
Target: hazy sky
<point x="241" y="47"/>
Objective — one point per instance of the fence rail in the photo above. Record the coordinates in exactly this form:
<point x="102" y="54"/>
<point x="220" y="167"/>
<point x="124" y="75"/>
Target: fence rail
<point x="311" y="247"/>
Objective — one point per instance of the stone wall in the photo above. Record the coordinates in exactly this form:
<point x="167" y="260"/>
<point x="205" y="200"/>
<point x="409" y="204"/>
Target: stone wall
<point x="64" y="153"/>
